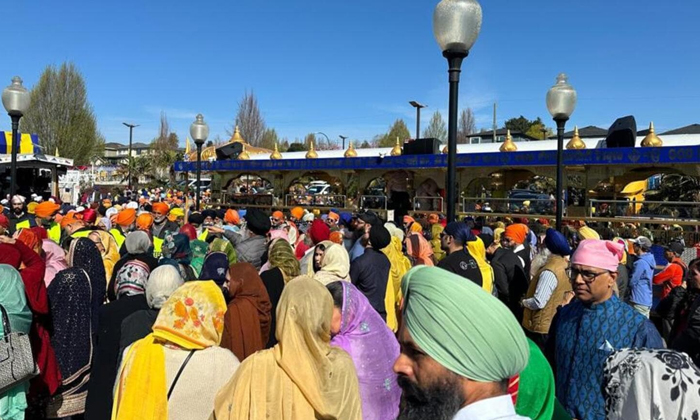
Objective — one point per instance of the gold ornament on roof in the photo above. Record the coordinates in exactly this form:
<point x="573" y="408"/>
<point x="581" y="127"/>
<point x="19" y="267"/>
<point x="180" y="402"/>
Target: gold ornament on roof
<point x="244" y="154"/>
<point x="445" y="150"/>
<point x="350" y="152"/>
<point x="396" y="151"/>
<point x="276" y="154"/>
<point x="509" y="144"/>
<point x="237" y="136"/>
<point x="311" y="154"/>
<point x="576" y="143"/>
<point x="652" y="140"/>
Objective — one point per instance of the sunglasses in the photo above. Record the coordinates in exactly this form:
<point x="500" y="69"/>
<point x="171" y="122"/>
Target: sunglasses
<point x="587" y="276"/>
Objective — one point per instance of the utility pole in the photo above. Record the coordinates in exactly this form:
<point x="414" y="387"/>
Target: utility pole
<point x="495" y="126"/>
<point x="131" y="137"/>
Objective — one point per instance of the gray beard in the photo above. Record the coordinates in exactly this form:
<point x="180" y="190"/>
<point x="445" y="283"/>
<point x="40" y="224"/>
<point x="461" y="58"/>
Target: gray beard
<point x="440" y="401"/>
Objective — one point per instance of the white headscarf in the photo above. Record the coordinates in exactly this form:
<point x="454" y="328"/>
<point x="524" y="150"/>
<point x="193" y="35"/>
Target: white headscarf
<point x="162" y="282"/>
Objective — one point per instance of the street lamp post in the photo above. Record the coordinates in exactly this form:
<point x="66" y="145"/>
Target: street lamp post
<point x="418" y="106"/>
<point x="561" y="102"/>
<point x="15" y="99"/>
<point x="199" y="131"/>
<point x="343" y="138"/>
<point x="456" y="26"/>
<point x="131" y="137"/>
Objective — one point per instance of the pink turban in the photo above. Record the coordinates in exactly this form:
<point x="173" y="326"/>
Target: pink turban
<point x="279" y="234"/>
<point x="598" y="254"/>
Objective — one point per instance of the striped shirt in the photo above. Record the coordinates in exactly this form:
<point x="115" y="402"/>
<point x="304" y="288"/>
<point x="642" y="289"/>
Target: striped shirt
<point x="545" y="287"/>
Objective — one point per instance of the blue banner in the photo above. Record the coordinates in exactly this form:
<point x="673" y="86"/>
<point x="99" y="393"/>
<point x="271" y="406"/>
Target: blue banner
<point x="620" y="156"/>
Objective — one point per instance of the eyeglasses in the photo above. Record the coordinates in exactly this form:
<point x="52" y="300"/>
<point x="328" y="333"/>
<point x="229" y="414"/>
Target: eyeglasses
<point x="587" y="276"/>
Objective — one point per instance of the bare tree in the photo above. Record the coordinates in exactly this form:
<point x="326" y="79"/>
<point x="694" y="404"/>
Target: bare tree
<point x="164" y="149"/>
<point x="62" y="116"/>
<point x="249" y="120"/>
<point x="467" y="125"/>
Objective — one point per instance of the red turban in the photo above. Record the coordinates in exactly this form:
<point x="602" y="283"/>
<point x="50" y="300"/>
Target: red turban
<point x="29" y="238"/>
<point x="89" y="216"/>
<point x="319" y="231"/>
<point x="189" y="231"/>
<point x="40" y="232"/>
<point x="4" y="221"/>
<point x="517" y="232"/>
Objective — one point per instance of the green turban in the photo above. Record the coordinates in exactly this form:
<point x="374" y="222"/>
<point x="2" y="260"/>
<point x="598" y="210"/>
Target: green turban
<point x="462" y="327"/>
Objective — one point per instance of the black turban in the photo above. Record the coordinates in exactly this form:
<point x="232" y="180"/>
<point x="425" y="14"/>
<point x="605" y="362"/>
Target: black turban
<point x="258" y="222"/>
<point x="379" y="237"/>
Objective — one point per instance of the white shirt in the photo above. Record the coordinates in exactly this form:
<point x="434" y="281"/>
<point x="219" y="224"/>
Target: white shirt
<point x="497" y="408"/>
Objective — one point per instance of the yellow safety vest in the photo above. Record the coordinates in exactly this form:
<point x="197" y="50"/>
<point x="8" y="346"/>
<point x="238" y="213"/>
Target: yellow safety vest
<point x="203" y="236"/>
<point x="54" y="232"/>
<point x="24" y="224"/>
<point x="81" y="234"/>
<point x="157" y="247"/>
<point x="117" y="237"/>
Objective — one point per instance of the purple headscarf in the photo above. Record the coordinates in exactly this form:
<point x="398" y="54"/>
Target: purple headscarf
<point x="373" y="348"/>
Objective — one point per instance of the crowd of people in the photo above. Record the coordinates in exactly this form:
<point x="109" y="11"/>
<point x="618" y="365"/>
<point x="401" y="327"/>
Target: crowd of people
<point x="139" y="307"/>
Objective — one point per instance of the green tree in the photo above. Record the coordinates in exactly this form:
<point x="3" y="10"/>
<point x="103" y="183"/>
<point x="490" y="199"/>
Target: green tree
<point x="538" y="130"/>
<point x="520" y="124"/>
<point x="297" y="147"/>
<point x="397" y="130"/>
<point x="437" y="129"/>
<point x="365" y="145"/>
<point x="269" y="139"/>
<point x="62" y="116"/>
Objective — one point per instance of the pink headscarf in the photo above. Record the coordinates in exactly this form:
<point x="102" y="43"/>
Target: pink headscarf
<point x="279" y="234"/>
<point x="55" y="260"/>
<point x="599" y="254"/>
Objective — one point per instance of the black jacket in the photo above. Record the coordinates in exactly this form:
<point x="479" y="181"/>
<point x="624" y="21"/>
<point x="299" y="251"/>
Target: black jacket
<point x="370" y="274"/>
<point x="510" y="280"/>
<point x="682" y="308"/>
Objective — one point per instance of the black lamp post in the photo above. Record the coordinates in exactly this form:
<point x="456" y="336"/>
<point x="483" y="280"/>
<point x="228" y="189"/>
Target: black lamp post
<point x="15" y="99"/>
<point x="343" y="138"/>
<point x="561" y="102"/>
<point x="418" y="106"/>
<point x="456" y="25"/>
<point x="131" y="137"/>
<point x="199" y="131"/>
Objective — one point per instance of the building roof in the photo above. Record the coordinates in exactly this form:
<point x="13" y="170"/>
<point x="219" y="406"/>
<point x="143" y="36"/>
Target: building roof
<point x="688" y="129"/>
<point x="588" y="132"/>
<point x="500" y="132"/>
<point x="120" y="146"/>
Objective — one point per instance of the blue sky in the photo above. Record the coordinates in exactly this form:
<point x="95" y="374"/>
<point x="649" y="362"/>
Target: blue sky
<point x="351" y="67"/>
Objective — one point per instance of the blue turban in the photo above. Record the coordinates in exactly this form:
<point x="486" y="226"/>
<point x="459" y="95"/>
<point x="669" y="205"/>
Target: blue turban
<point x="556" y="243"/>
<point x="460" y="231"/>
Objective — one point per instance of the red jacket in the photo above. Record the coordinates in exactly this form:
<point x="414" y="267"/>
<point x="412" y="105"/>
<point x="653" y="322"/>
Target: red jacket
<point x="671" y="276"/>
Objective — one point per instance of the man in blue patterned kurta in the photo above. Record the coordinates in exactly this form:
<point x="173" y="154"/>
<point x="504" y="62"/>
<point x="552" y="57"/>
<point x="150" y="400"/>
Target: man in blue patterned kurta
<point x="585" y="332"/>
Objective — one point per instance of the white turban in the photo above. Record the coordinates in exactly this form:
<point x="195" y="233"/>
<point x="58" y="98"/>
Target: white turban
<point x="18" y="199"/>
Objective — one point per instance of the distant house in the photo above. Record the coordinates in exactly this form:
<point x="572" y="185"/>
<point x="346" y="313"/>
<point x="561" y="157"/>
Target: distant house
<point x="487" y="136"/>
<point x="688" y="129"/>
<point x="589" y="132"/>
<point x="115" y="153"/>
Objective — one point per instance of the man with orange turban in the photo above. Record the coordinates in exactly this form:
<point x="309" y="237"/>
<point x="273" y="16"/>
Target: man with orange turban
<point x="232" y="217"/>
<point x="277" y="220"/>
<point x="161" y="224"/>
<point x="144" y="221"/>
<point x="515" y="238"/>
<point x="71" y="222"/>
<point x="124" y="223"/>
<point x="45" y="214"/>
<point x="296" y="214"/>
<point x="332" y="221"/>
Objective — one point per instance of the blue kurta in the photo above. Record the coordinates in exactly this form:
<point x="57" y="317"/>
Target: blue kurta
<point x="584" y="337"/>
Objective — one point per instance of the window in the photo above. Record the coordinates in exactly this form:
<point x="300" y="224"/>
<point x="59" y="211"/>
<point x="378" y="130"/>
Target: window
<point x="501" y="139"/>
<point x="475" y="140"/>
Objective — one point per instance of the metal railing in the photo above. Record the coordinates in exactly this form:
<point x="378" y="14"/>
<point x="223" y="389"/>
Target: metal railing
<point x="318" y="200"/>
<point x="672" y="210"/>
<point x="243" y="199"/>
<point x="374" y="202"/>
<point x="508" y="205"/>
<point x="428" y="204"/>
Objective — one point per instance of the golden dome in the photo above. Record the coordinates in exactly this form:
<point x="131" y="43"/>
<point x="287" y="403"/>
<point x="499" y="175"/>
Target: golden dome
<point x="311" y="154"/>
<point x="576" y="142"/>
<point x="276" y="154"/>
<point x="207" y="153"/>
<point x="351" y="152"/>
<point x="236" y="136"/>
<point x="396" y="151"/>
<point x="509" y="144"/>
<point x="652" y="140"/>
<point x="244" y="154"/>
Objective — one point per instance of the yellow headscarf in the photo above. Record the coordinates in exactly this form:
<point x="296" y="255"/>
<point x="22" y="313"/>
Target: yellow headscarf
<point x="304" y="377"/>
<point x="587" y="233"/>
<point x="497" y="234"/>
<point x="478" y="251"/>
<point x="110" y="256"/>
<point x="400" y="265"/>
<point x="193" y="319"/>
<point x="416" y="227"/>
<point x="438" y="253"/>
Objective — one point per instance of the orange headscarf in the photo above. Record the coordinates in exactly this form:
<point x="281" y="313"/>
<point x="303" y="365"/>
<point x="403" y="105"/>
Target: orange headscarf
<point x="336" y="237"/>
<point x="126" y="217"/>
<point x="69" y="219"/>
<point x="408" y="219"/>
<point x="419" y="248"/>
<point x="232" y="216"/>
<point x="46" y="209"/>
<point x="517" y="232"/>
<point x="144" y="221"/>
<point x="297" y="212"/>
<point x="278" y="215"/>
<point x="29" y="238"/>
<point x="333" y="216"/>
<point x="433" y="218"/>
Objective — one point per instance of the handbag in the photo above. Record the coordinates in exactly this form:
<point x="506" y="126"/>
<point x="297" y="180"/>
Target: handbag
<point x="16" y="361"/>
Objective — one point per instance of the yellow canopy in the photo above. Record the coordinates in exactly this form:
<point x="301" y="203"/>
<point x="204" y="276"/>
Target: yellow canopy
<point x="635" y="188"/>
